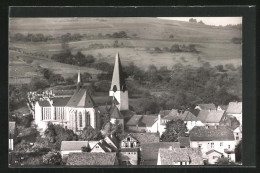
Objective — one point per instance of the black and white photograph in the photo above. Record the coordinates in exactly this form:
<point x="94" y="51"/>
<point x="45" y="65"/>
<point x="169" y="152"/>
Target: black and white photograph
<point x="121" y="91"/>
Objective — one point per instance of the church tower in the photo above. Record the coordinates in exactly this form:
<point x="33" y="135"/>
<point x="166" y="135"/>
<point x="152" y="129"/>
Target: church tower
<point x="118" y="88"/>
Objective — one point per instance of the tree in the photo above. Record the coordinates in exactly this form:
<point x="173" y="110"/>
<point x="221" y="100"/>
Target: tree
<point x="238" y="151"/>
<point x="85" y="149"/>
<point x="52" y="158"/>
<point x="224" y="161"/>
<point x="89" y="133"/>
<point x="174" y="130"/>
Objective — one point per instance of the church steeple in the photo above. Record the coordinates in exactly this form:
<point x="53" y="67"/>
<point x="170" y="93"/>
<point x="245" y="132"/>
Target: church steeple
<point x="79" y="83"/>
<point x="118" y="80"/>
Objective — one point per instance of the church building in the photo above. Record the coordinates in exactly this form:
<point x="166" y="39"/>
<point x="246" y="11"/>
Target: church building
<point x="80" y="110"/>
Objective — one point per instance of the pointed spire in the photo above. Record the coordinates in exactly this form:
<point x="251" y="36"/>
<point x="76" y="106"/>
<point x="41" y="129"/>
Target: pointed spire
<point x="79" y="83"/>
<point x="118" y="81"/>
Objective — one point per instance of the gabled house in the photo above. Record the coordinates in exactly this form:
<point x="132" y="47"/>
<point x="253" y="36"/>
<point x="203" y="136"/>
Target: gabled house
<point x="128" y="156"/>
<point x="209" y="106"/>
<point x="235" y="109"/>
<point x="143" y="123"/>
<point x="219" y="138"/>
<point x="213" y="156"/>
<point x="76" y="159"/>
<point x="238" y="134"/>
<point x="12" y="135"/>
<point x="75" y="146"/>
<point x="112" y="142"/>
<point x="135" y="140"/>
<point x="101" y="147"/>
<point x="149" y="152"/>
<point x="215" y="117"/>
<point x="179" y="156"/>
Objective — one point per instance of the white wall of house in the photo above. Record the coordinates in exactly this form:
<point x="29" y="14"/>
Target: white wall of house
<point x="219" y="146"/>
<point x="97" y="149"/>
<point x="191" y="124"/>
<point x="132" y="157"/>
<point x="11" y="144"/>
<point x="213" y="157"/>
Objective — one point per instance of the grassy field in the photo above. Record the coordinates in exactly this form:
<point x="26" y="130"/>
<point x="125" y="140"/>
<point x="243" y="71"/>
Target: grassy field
<point x="214" y="43"/>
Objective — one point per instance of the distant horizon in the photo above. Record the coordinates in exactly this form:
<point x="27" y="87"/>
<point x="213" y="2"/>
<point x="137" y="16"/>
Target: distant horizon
<point x="216" y="21"/>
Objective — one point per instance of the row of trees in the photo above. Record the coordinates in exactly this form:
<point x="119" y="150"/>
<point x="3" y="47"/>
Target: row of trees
<point x="178" y="48"/>
<point x="31" y="37"/>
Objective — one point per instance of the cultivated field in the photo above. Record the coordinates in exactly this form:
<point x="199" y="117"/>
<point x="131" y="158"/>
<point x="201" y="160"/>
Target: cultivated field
<point x="213" y="43"/>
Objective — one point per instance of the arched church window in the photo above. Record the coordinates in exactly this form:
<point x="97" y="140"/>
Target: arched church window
<point x="80" y="119"/>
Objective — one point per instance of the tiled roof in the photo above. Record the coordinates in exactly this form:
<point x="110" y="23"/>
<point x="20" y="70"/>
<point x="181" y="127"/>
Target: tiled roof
<point x="192" y="155"/>
<point x="164" y="112"/>
<point x="113" y="140"/>
<point x="209" y="106"/>
<point x="184" y="141"/>
<point x="211" y="133"/>
<point x="188" y="116"/>
<point x="60" y="101"/>
<point x="44" y="103"/>
<point x="118" y="80"/>
<point x="11" y="128"/>
<point x="172" y="115"/>
<point x="76" y="145"/>
<point x="88" y="158"/>
<point x="202" y="116"/>
<point x="147" y="121"/>
<point x="234" y="108"/>
<point x="214" y="116"/>
<point x="223" y="107"/>
<point x="145" y="138"/>
<point x="213" y="151"/>
<point x="149" y="151"/>
<point x="134" y="120"/>
<point x="115" y="113"/>
<point x="129" y="150"/>
<point x="81" y="98"/>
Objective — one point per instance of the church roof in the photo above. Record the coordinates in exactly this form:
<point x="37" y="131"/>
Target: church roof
<point x="60" y="101"/>
<point x="115" y="113"/>
<point x="118" y="80"/>
<point x="44" y="103"/>
<point x="81" y="98"/>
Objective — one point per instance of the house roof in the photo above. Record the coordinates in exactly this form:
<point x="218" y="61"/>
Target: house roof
<point x="104" y="145"/>
<point x="118" y="80"/>
<point x="202" y="116"/>
<point x="209" y="106"/>
<point x="115" y="113"/>
<point x="127" y="113"/>
<point x="192" y="155"/>
<point x="150" y="151"/>
<point x="145" y="138"/>
<point x="188" y="116"/>
<point x="172" y="115"/>
<point x="76" y="145"/>
<point x="213" y="151"/>
<point x="234" y="108"/>
<point x="223" y="107"/>
<point x="60" y="101"/>
<point x="11" y="128"/>
<point x="134" y="120"/>
<point x="214" y="116"/>
<point x="113" y="140"/>
<point x="44" y="103"/>
<point x="81" y="98"/>
<point x="147" y="121"/>
<point x="164" y="112"/>
<point x="184" y="141"/>
<point x="129" y="150"/>
<point x="211" y="133"/>
<point x="88" y="158"/>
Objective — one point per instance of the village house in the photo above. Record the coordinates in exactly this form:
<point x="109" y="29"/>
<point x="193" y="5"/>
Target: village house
<point x="209" y="106"/>
<point x="135" y="140"/>
<point x="219" y="138"/>
<point x="128" y="156"/>
<point x="213" y="156"/>
<point x="215" y="117"/>
<point x="143" y="123"/>
<point x="179" y="156"/>
<point x="101" y="147"/>
<point x="68" y="147"/>
<point x="112" y="142"/>
<point x="235" y="109"/>
<point x="88" y="158"/>
<point x="149" y="152"/>
<point x="238" y="134"/>
<point x="12" y="135"/>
